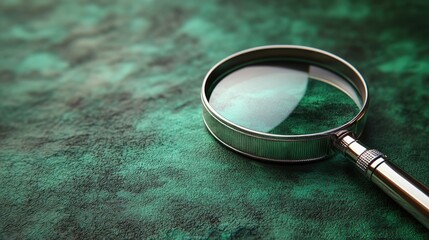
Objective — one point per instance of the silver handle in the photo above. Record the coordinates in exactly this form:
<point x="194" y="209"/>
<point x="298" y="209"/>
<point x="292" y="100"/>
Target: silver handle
<point x="412" y="195"/>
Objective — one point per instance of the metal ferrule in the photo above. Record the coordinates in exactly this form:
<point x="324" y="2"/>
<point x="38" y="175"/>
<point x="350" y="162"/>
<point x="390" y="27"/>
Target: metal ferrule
<point x="358" y="153"/>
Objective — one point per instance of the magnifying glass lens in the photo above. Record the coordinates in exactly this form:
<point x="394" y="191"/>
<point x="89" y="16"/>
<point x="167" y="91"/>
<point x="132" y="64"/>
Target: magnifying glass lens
<point x="285" y="98"/>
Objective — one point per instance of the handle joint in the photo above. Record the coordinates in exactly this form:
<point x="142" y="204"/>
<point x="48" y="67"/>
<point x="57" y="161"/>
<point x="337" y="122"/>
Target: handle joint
<point x="359" y="153"/>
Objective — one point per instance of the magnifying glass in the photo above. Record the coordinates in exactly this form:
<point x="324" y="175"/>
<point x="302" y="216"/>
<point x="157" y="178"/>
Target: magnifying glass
<point x="290" y="103"/>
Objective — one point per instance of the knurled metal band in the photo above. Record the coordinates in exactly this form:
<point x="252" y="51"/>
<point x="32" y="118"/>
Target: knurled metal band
<point x="367" y="157"/>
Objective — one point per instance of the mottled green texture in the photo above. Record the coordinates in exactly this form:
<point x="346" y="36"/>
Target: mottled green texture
<point x="322" y="108"/>
<point x="101" y="134"/>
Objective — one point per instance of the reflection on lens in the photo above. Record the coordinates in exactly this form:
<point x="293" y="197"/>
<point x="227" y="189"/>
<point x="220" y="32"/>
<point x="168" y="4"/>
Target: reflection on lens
<point x="285" y="98"/>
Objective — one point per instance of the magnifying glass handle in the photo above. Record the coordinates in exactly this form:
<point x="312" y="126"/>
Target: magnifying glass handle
<point x="404" y="189"/>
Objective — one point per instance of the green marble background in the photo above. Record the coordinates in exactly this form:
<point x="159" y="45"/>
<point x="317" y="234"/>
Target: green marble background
<point x="101" y="134"/>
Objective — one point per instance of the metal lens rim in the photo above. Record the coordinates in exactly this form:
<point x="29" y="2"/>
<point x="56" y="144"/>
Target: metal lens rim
<point x="291" y="52"/>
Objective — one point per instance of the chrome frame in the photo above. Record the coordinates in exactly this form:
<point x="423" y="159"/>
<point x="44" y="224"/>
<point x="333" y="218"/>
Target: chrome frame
<point x="274" y="147"/>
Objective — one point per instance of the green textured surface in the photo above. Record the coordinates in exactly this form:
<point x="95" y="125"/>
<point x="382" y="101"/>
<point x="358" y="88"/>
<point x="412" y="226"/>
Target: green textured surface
<point x="101" y="134"/>
<point x="322" y="108"/>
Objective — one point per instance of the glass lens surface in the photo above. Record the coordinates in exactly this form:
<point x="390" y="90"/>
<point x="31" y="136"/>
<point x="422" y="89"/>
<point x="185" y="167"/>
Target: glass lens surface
<point x="285" y="98"/>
